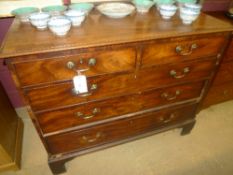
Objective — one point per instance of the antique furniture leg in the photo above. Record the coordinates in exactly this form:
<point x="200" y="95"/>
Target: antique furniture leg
<point x="58" y="167"/>
<point x="186" y="129"/>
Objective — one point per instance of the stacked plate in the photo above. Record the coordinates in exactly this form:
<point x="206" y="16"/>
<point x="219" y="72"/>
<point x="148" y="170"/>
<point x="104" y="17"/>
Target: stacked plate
<point x="116" y="9"/>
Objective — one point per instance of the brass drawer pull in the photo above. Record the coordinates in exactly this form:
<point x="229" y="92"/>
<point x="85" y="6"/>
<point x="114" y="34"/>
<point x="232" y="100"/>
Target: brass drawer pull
<point x="85" y="117"/>
<point x="92" y="62"/>
<point x="185" y="71"/>
<point x="181" y="51"/>
<point x="170" y="97"/>
<point x="167" y="119"/>
<point x="73" y="66"/>
<point x="92" y="89"/>
<point x="92" y="139"/>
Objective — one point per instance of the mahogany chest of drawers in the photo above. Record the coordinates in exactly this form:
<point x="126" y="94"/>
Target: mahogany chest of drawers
<point x="144" y="75"/>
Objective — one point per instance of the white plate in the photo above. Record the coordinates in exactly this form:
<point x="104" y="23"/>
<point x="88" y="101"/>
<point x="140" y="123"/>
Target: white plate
<point x="116" y="9"/>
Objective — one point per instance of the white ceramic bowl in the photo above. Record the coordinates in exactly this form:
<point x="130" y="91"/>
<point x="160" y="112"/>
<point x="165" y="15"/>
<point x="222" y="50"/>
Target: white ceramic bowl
<point x="167" y="11"/>
<point x="54" y="10"/>
<point x="116" y="9"/>
<point x="76" y="17"/>
<point x="188" y="16"/>
<point x="193" y="7"/>
<point x="59" y="26"/>
<point x="85" y="7"/>
<point x="143" y="6"/>
<point x="39" y="20"/>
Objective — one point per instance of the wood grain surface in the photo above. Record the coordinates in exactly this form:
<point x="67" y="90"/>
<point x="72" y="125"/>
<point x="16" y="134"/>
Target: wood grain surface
<point x="98" y="30"/>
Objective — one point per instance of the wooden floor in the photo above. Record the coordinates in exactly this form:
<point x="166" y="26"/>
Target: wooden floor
<point x="208" y="150"/>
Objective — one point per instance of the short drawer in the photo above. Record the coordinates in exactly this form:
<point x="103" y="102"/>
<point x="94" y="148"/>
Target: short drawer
<point x="118" y="130"/>
<point x="64" y="68"/>
<point x="59" y="95"/>
<point x="224" y="74"/>
<point x="96" y="111"/>
<point x="181" y="49"/>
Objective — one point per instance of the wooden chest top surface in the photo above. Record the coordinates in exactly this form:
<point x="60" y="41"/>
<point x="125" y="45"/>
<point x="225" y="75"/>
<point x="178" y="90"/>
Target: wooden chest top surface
<point x="98" y="30"/>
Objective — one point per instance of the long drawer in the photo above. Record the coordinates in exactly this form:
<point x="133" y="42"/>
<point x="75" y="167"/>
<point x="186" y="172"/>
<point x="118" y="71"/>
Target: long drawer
<point x="31" y="72"/>
<point x="121" y="129"/>
<point x="59" y="95"/>
<point x="96" y="111"/>
<point x="181" y="49"/>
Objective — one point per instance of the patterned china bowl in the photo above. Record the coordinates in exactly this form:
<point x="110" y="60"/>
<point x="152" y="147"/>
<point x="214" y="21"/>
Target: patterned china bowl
<point x="167" y="11"/>
<point x="23" y="13"/>
<point x="39" y="20"/>
<point x="85" y="7"/>
<point x="76" y="17"/>
<point x="59" y="25"/>
<point x="143" y="6"/>
<point x="163" y="2"/>
<point x="181" y="3"/>
<point x="54" y="10"/>
<point x="193" y="7"/>
<point x="188" y="16"/>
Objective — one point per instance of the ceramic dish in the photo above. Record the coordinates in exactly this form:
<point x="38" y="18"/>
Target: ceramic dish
<point x="143" y="6"/>
<point x="59" y="25"/>
<point x="85" y="7"/>
<point x="76" y="17"/>
<point x="39" y="20"/>
<point x="23" y="13"/>
<point x="116" y="10"/>
<point x="167" y="11"/>
<point x="54" y="10"/>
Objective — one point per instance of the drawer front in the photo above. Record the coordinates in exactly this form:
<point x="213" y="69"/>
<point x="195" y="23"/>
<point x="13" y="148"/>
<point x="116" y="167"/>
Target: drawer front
<point x="59" y="95"/>
<point x="229" y="53"/>
<point x="225" y="74"/>
<point x="181" y="49"/>
<point x="218" y="94"/>
<point x="64" y="68"/>
<point x="92" y="112"/>
<point x="121" y="129"/>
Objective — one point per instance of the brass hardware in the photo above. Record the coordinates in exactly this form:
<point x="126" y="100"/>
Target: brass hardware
<point x="84" y="94"/>
<point x="219" y="55"/>
<point x="70" y="65"/>
<point x="91" y="140"/>
<point x="180" y="50"/>
<point x="92" y="62"/>
<point x="92" y="88"/>
<point x="173" y="73"/>
<point x="85" y="117"/>
<point x="169" y="97"/>
<point x="81" y="61"/>
<point x="167" y="119"/>
<point x="82" y="70"/>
